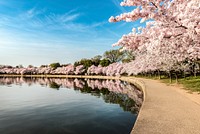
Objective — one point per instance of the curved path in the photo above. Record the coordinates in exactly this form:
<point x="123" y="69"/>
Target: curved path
<point x="166" y="111"/>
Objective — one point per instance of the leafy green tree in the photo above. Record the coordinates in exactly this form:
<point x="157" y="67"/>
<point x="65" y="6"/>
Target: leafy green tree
<point x="104" y="62"/>
<point x="98" y="57"/>
<point x="96" y="60"/>
<point x="43" y="66"/>
<point x="64" y="65"/>
<point x="30" y="66"/>
<point x="128" y="56"/>
<point x="77" y="63"/>
<point x="20" y="66"/>
<point x="85" y="62"/>
<point x="114" y="55"/>
<point x="54" y="65"/>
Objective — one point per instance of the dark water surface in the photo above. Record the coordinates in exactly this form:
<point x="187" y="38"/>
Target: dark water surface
<point x="67" y="106"/>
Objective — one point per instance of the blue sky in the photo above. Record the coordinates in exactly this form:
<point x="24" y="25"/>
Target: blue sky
<point x="44" y="31"/>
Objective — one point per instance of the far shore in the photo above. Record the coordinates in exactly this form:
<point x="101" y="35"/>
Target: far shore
<point x="61" y="76"/>
<point x="138" y="83"/>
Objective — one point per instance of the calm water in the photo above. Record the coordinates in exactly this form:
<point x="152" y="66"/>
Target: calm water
<point x="67" y="106"/>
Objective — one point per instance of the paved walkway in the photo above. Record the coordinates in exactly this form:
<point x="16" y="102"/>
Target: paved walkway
<point x="167" y="111"/>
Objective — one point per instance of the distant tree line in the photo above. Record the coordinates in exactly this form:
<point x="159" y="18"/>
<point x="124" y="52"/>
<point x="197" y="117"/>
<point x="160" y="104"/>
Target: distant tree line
<point x="109" y="57"/>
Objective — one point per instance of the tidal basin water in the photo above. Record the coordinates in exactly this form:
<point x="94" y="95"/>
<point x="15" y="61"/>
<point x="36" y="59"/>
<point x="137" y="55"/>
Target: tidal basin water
<point x="67" y="106"/>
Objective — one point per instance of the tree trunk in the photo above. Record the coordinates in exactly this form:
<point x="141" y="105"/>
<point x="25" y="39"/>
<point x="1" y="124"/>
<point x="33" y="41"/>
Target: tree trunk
<point x="195" y="74"/>
<point x="176" y="77"/>
<point x="194" y="70"/>
<point x="184" y="74"/>
<point x="155" y="74"/>
<point x="170" y="77"/>
<point x="159" y="77"/>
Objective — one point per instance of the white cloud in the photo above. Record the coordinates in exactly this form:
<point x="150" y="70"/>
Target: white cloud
<point x="58" y="19"/>
<point x="31" y="13"/>
<point x="34" y="20"/>
<point x="67" y="17"/>
<point x="97" y="24"/>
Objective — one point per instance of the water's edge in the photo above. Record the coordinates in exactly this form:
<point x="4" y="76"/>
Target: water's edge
<point x="138" y="83"/>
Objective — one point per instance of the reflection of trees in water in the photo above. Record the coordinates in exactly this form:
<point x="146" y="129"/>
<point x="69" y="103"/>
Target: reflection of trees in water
<point x="112" y="91"/>
<point x="122" y="99"/>
<point x="54" y="85"/>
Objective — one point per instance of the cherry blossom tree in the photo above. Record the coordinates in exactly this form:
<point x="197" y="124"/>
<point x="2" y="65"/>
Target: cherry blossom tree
<point x="171" y="39"/>
<point x="79" y="70"/>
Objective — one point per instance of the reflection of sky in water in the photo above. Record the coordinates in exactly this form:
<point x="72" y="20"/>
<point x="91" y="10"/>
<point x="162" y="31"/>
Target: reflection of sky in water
<point x="40" y="96"/>
<point x="41" y="109"/>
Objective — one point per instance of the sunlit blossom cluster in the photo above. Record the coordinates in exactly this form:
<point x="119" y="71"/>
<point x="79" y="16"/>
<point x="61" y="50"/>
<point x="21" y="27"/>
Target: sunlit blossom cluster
<point x="65" y="70"/>
<point x="171" y="38"/>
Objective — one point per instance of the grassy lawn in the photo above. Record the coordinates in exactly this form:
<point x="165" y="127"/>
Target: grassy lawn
<point x="189" y="83"/>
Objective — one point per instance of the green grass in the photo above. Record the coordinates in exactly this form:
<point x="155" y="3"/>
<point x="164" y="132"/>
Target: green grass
<point x="189" y="83"/>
